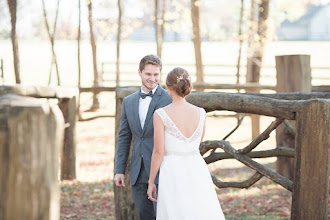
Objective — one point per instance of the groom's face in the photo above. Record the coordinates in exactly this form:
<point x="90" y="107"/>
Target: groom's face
<point x="150" y="76"/>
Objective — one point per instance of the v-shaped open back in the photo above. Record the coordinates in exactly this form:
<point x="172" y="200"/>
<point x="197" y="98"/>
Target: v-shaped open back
<point x="183" y="163"/>
<point x="172" y="129"/>
<point x="199" y="121"/>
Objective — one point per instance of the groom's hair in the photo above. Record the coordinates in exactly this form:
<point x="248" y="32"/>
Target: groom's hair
<point x="150" y="59"/>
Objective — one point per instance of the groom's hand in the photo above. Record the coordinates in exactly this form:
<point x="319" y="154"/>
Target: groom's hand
<point x="119" y="179"/>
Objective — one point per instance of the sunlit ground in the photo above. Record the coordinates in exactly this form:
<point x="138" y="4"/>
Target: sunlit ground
<point x="91" y="196"/>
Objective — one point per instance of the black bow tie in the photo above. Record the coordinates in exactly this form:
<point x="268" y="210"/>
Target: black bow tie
<point x="144" y="95"/>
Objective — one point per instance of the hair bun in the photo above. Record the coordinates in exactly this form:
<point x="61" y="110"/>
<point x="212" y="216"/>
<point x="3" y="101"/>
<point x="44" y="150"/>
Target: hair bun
<point x="179" y="81"/>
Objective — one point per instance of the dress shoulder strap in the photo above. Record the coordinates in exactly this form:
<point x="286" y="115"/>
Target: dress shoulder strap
<point x="202" y="115"/>
<point x="162" y="114"/>
<point x="202" y="120"/>
<point x="165" y="118"/>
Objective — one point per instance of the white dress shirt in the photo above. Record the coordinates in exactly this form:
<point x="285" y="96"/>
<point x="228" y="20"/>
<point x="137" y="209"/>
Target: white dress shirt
<point x="144" y="106"/>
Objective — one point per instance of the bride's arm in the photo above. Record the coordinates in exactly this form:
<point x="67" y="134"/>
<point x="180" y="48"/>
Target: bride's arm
<point x="157" y="154"/>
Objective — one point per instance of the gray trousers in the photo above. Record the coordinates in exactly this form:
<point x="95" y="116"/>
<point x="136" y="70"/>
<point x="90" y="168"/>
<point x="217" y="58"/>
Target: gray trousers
<point x="146" y="209"/>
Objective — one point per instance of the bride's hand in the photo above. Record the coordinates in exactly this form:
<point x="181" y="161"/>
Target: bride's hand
<point x="152" y="193"/>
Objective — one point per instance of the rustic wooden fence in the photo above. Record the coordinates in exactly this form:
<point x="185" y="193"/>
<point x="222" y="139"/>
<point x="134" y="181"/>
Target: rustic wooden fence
<point x="310" y="185"/>
<point x="311" y="111"/>
<point x="66" y="99"/>
<point x="31" y="139"/>
<point x="294" y="74"/>
<point x="213" y="72"/>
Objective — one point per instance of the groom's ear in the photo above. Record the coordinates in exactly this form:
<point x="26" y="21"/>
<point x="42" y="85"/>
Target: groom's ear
<point x="140" y="73"/>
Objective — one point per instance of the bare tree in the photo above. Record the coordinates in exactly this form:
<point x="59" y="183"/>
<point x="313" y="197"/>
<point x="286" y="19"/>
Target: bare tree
<point x="160" y="9"/>
<point x="78" y="57"/>
<point x="255" y="51"/>
<point x="52" y="38"/>
<point x="250" y="48"/>
<point x="197" y="40"/>
<point x="78" y="44"/>
<point x="12" y="4"/>
<point x="118" y="42"/>
<point x="240" y="37"/>
<point x="93" y="45"/>
<point x="255" y="61"/>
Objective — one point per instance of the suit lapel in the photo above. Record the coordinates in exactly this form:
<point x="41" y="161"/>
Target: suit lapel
<point x="152" y="106"/>
<point x="136" y="111"/>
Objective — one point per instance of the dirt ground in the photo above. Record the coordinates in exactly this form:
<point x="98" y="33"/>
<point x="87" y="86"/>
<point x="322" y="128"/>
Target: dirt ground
<point x="91" y="195"/>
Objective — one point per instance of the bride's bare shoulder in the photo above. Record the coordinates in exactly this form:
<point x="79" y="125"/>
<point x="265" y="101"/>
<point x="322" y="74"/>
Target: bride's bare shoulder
<point x="194" y="106"/>
<point x="169" y="106"/>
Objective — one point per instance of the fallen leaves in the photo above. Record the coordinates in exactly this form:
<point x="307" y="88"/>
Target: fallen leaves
<point x="86" y="200"/>
<point x="92" y="197"/>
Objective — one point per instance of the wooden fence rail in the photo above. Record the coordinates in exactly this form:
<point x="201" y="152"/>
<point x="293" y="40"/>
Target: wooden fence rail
<point x="213" y="72"/>
<point x="312" y="113"/>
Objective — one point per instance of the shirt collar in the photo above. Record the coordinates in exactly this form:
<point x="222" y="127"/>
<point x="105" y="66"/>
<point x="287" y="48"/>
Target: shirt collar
<point x="153" y="91"/>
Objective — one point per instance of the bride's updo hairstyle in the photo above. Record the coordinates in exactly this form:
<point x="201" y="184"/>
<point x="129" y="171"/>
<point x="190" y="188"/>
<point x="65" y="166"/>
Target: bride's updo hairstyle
<point x="179" y="81"/>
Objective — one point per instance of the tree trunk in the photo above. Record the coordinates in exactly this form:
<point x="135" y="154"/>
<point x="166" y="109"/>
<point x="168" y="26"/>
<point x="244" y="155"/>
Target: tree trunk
<point x="293" y="75"/>
<point x="1" y="70"/>
<point x="160" y="9"/>
<point x="255" y="53"/>
<point x="52" y="39"/>
<point x="31" y="138"/>
<point x="240" y="37"/>
<point x="12" y="4"/>
<point x="255" y="63"/>
<point x="68" y="160"/>
<point x="118" y="42"/>
<point x="93" y="45"/>
<point x="157" y="29"/>
<point x="78" y="57"/>
<point x="78" y="45"/>
<point x="251" y="41"/>
<point x="197" y="40"/>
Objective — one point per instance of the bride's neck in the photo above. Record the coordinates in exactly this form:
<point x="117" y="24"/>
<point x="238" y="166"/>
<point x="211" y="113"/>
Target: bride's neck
<point x="178" y="100"/>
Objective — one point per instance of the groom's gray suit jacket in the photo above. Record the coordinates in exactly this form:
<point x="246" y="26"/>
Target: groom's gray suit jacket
<point x="130" y="126"/>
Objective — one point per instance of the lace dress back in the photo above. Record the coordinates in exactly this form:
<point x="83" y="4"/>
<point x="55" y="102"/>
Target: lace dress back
<point x="185" y="188"/>
<point x="176" y="143"/>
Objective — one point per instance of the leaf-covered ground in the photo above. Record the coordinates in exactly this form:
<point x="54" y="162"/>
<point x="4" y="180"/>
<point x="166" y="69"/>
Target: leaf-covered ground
<point x="264" y="200"/>
<point x="91" y="195"/>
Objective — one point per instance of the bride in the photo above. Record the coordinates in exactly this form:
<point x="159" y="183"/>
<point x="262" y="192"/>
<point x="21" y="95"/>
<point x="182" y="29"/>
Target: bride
<point x="185" y="189"/>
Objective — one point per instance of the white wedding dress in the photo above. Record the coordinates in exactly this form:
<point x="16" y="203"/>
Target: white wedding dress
<point x="185" y="188"/>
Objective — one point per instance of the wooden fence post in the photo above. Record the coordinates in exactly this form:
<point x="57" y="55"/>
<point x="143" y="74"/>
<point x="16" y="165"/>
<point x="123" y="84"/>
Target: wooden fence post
<point x="293" y="75"/>
<point x="31" y="139"/>
<point x="124" y="203"/>
<point x="68" y="107"/>
<point x="311" y="176"/>
<point x="255" y="119"/>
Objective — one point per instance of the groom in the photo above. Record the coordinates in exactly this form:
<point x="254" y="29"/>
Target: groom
<point x="136" y="121"/>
